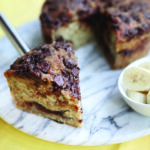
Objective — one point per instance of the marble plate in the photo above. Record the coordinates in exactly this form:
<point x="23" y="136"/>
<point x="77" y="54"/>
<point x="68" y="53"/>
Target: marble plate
<point x="107" y="119"/>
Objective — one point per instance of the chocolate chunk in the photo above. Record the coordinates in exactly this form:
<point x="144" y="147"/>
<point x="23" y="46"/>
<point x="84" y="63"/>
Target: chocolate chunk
<point x="33" y="63"/>
<point x="145" y="27"/>
<point x="49" y="21"/>
<point x="36" y="73"/>
<point x="69" y="63"/>
<point x="69" y="50"/>
<point x="114" y="20"/>
<point x="46" y="49"/>
<point x="58" y="46"/>
<point x="124" y="19"/>
<point x="43" y="66"/>
<point x="146" y="15"/>
<point x="124" y="8"/>
<point x="126" y="52"/>
<point x="128" y="35"/>
<point x="65" y="73"/>
<point x="72" y="81"/>
<point x="44" y="17"/>
<point x="135" y="17"/>
<point x="138" y="6"/>
<point x="131" y="33"/>
<point x="64" y="17"/>
<point x="61" y="44"/>
<point x="75" y="72"/>
<point x="55" y="22"/>
<point x="60" y="39"/>
<point x="134" y="31"/>
<point x="58" y="80"/>
<point x="140" y="31"/>
<point x="116" y="25"/>
<point x="31" y="66"/>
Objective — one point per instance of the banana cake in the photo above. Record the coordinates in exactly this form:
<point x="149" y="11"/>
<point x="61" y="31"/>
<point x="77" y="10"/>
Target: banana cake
<point x="45" y="82"/>
<point x="122" y="27"/>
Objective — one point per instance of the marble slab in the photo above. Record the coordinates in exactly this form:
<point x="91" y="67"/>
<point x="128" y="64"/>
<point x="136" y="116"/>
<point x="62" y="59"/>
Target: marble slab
<point x="107" y="119"/>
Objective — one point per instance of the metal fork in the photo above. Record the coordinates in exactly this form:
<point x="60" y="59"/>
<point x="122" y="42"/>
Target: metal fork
<point x="13" y="36"/>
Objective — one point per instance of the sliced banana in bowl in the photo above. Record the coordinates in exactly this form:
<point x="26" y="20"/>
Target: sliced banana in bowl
<point x="137" y="96"/>
<point x="148" y="98"/>
<point x="134" y="85"/>
<point x="145" y="65"/>
<point x="137" y="79"/>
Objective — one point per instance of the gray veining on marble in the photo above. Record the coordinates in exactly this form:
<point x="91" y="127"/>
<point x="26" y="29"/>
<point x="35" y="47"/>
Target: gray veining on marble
<point x="107" y="119"/>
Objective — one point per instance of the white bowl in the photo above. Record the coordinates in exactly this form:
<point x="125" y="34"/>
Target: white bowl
<point x="141" y="108"/>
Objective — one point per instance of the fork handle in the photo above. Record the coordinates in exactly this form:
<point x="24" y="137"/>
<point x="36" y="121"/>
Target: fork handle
<point x="13" y="36"/>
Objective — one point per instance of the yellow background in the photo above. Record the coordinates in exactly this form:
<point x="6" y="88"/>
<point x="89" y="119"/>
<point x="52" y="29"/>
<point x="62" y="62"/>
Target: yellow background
<point x="19" y="12"/>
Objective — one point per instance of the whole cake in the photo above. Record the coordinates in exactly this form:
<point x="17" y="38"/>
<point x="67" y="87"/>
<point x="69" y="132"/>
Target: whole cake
<point x="122" y="27"/>
<point x="45" y="81"/>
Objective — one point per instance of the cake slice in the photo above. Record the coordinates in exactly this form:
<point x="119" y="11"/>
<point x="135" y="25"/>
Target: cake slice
<point x="45" y="82"/>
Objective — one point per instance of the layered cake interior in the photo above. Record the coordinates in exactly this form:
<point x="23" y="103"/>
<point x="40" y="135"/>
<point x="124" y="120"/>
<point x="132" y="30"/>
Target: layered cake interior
<point x="45" y="81"/>
<point x="121" y="27"/>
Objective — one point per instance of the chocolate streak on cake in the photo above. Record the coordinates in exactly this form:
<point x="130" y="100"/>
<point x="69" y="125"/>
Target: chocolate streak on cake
<point x="129" y="52"/>
<point x="126" y="52"/>
<point x="33" y="65"/>
<point x="48" y="111"/>
<point x="59" y="101"/>
<point x="56" y="93"/>
<point x="136" y="32"/>
<point x="43" y="109"/>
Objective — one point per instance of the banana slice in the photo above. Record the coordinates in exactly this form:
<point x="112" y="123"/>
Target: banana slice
<point x="145" y="65"/>
<point x="148" y="98"/>
<point x="137" y="96"/>
<point x="137" y="79"/>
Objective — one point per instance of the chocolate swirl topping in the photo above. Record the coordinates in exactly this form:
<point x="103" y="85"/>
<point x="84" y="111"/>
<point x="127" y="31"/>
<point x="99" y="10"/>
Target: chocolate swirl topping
<point x="56" y="61"/>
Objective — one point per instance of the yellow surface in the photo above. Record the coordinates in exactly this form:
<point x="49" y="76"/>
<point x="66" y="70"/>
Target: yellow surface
<point x="19" y="12"/>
